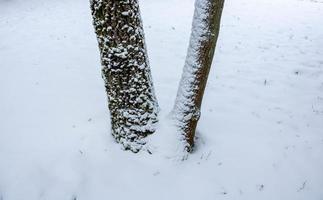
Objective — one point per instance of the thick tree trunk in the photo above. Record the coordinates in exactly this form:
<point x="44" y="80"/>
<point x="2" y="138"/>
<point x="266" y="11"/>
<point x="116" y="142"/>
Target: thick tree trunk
<point x="125" y="70"/>
<point x="205" y="31"/>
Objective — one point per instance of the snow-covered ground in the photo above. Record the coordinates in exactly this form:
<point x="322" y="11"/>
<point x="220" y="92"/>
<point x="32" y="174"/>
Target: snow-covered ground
<point x="261" y="130"/>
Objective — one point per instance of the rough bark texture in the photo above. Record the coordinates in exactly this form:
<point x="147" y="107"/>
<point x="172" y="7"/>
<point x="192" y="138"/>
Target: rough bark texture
<point x="125" y="70"/>
<point x="205" y="31"/>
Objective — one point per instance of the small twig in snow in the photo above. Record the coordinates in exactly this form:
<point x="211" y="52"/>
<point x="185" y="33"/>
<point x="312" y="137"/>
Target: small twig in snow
<point x="302" y="187"/>
<point x="208" y="155"/>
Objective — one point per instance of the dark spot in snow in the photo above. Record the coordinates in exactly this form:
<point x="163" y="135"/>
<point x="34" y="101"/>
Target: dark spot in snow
<point x="90" y="119"/>
<point x="149" y="151"/>
<point x="156" y="173"/>
<point x="261" y="187"/>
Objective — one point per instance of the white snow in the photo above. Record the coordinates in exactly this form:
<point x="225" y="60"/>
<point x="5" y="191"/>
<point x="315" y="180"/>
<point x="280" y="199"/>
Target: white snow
<point x="261" y="127"/>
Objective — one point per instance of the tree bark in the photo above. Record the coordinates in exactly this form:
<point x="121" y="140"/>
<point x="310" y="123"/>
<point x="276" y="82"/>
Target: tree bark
<point x="205" y="31"/>
<point x="125" y="70"/>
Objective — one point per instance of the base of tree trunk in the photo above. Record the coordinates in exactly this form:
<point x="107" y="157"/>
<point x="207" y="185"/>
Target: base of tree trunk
<point x="131" y="135"/>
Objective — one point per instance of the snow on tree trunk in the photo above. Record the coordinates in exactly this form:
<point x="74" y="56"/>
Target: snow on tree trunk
<point x="125" y="70"/>
<point x="205" y="31"/>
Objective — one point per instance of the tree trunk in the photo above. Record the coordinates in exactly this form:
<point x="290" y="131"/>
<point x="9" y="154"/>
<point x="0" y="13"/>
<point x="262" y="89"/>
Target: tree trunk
<point x="205" y="31"/>
<point x="125" y="70"/>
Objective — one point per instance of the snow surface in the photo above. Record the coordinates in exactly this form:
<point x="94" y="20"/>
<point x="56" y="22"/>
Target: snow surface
<point x="261" y="128"/>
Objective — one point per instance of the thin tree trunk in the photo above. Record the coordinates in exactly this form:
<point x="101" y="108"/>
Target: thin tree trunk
<point x="125" y="70"/>
<point x="205" y="31"/>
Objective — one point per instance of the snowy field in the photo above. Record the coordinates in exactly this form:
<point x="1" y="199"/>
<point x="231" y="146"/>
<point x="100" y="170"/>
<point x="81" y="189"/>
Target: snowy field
<point x="261" y="130"/>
